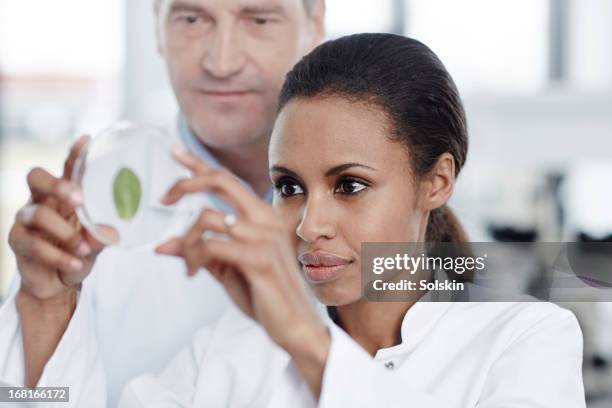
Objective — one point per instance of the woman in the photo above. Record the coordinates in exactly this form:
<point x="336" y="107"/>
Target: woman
<point x="369" y="139"/>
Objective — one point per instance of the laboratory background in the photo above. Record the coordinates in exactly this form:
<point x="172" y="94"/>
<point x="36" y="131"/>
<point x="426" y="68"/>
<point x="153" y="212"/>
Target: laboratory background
<point x="535" y="76"/>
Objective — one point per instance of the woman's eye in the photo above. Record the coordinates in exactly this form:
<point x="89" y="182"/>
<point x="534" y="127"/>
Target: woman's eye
<point x="350" y="187"/>
<point x="288" y="188"/>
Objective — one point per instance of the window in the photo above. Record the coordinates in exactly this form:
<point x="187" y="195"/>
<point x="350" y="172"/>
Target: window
<point x="488" y="46"/>
<point x="61" y="64"/>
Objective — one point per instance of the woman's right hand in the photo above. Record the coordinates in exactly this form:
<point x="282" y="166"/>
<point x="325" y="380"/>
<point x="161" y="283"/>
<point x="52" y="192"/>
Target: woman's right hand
<point x="54" y="253"/>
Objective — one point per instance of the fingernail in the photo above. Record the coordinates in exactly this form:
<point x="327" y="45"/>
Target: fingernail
<point x="179" y="150"/>
<point x="76" y="265"/>
<point x="83" y="249"/>
<point x="26" y="214"/>
<point x="76" y="197"/>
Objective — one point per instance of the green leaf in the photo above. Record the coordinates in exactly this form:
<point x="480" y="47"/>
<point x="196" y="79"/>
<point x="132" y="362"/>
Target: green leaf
<point x="127" y="193"/>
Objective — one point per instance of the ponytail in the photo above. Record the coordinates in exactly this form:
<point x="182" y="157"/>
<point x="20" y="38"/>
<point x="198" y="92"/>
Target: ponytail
<point x="444" y="226"/>
<point x="446" y="237"/>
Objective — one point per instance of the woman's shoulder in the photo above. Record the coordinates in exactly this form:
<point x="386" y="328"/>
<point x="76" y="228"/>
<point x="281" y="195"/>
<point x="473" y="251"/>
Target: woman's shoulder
<point x="516" y="321"/>
<point x="522" y="313"/>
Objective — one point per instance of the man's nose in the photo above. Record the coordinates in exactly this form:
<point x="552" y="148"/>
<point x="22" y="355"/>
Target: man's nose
<point x="224" y="58"/>
<point x="318" y="220"/>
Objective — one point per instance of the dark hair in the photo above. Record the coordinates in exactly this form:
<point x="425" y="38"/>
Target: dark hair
<point x="408" y="81"/>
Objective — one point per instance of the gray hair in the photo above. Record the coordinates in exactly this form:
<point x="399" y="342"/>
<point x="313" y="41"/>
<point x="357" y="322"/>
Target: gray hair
<point x="308" y="4"/>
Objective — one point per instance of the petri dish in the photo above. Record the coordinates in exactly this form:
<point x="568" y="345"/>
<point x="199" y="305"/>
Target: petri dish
<point x="123" y="173"/>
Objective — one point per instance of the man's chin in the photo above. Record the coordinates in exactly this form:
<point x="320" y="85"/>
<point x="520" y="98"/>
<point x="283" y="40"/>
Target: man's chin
<point x="229" y="103"/>
<point x="227" y="137"/>
<point x="236" y="122"/>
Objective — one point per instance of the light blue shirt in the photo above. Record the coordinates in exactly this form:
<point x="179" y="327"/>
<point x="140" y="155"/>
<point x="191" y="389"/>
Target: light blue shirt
<point x="193" y="144"/>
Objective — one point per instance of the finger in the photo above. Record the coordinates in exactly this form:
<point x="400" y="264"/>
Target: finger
<point x="171" y="247"/>
<point x="31" y="246"/>
<point x="202" y="254"/>
<point x="52" y="224"/>
<point x="226" y="186"/>
<point x="237" y="287"/>
<point x="209" y="220"/>
<point x="193" y="163"/>
<point x="101" y="236"/>
<point x="193" y="257"/>
<point x="98" y="236"/>
<point x="216" y="269"/>
<point x="42" y="185"/>
<point x="74" y="153"/>
<point x="215" y="221"/>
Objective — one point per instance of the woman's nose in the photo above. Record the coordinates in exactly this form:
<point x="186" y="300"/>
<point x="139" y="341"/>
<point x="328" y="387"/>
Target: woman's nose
<point x="317" y="221"/>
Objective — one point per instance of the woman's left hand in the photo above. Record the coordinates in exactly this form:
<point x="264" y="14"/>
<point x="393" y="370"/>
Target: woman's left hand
<point x="256" y="264"/>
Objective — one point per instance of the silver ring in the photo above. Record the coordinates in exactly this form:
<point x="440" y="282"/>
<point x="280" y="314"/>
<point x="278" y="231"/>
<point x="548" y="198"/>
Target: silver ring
<point x="229" y="221"/>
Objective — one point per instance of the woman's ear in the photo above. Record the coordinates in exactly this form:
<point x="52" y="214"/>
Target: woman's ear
<point x="439" y="183"/>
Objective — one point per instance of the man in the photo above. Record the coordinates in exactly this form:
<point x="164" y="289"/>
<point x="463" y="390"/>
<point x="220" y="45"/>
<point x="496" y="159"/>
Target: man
<point x="133" y="310"/>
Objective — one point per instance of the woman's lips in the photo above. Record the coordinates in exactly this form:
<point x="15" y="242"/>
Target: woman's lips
<point x="322" y="266"/>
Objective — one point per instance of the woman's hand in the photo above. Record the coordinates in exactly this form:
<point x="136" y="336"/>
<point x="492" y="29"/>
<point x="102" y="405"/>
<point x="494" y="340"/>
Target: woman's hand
<point x="256" y="264"/>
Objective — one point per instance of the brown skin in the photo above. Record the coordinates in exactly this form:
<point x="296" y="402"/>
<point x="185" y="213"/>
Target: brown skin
<point x="315" y="212"/>
<point x="211" y="47"/>
<point x="54" y="254"/>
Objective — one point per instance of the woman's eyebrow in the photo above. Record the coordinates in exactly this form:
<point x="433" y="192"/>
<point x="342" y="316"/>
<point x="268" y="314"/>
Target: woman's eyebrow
<point x="284" y="170"/>
<point x="342" y="167"/>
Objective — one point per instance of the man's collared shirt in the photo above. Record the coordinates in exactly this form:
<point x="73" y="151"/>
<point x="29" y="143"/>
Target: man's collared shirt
<point x="193" y="144"/>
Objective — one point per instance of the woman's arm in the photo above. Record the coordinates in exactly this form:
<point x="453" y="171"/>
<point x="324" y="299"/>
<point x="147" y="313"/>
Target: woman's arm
<point x="75" y="361"/>
<point x="256" y="264"/>
<point x="258" y="269"/>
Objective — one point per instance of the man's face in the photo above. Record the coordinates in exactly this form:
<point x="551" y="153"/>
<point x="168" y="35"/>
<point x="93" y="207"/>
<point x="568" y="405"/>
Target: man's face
<point x="227" y="61"/>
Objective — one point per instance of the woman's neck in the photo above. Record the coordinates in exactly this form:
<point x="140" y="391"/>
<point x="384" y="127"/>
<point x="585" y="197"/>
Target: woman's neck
<point x="374" y="325"/>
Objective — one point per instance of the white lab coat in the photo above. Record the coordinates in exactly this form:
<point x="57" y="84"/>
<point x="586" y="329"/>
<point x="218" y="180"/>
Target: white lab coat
<point x="135" y="311"/>
<point x="486" y="355"/>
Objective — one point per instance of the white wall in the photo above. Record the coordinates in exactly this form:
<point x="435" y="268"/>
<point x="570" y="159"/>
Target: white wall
<point x="147" y="96"/>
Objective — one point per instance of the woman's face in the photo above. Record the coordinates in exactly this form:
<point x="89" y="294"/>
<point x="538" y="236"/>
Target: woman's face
<point x="340" y="181"/>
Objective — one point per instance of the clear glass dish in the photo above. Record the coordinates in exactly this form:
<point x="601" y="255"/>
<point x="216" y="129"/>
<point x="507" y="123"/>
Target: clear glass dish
<point x="124" y="172"/>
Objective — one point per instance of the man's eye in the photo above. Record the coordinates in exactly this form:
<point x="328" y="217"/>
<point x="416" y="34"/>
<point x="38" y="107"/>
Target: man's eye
<point x="350" y="187"/>
<point x="190" y="19"/>
<point x="288" y="188"/>
<point x="260" y="20"/>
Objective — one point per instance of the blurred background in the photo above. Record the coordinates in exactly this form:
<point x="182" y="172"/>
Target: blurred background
<point x="535" y="75"/>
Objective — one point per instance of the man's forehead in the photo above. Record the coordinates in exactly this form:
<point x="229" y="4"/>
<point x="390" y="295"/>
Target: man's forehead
<point x="236" y="3"/>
